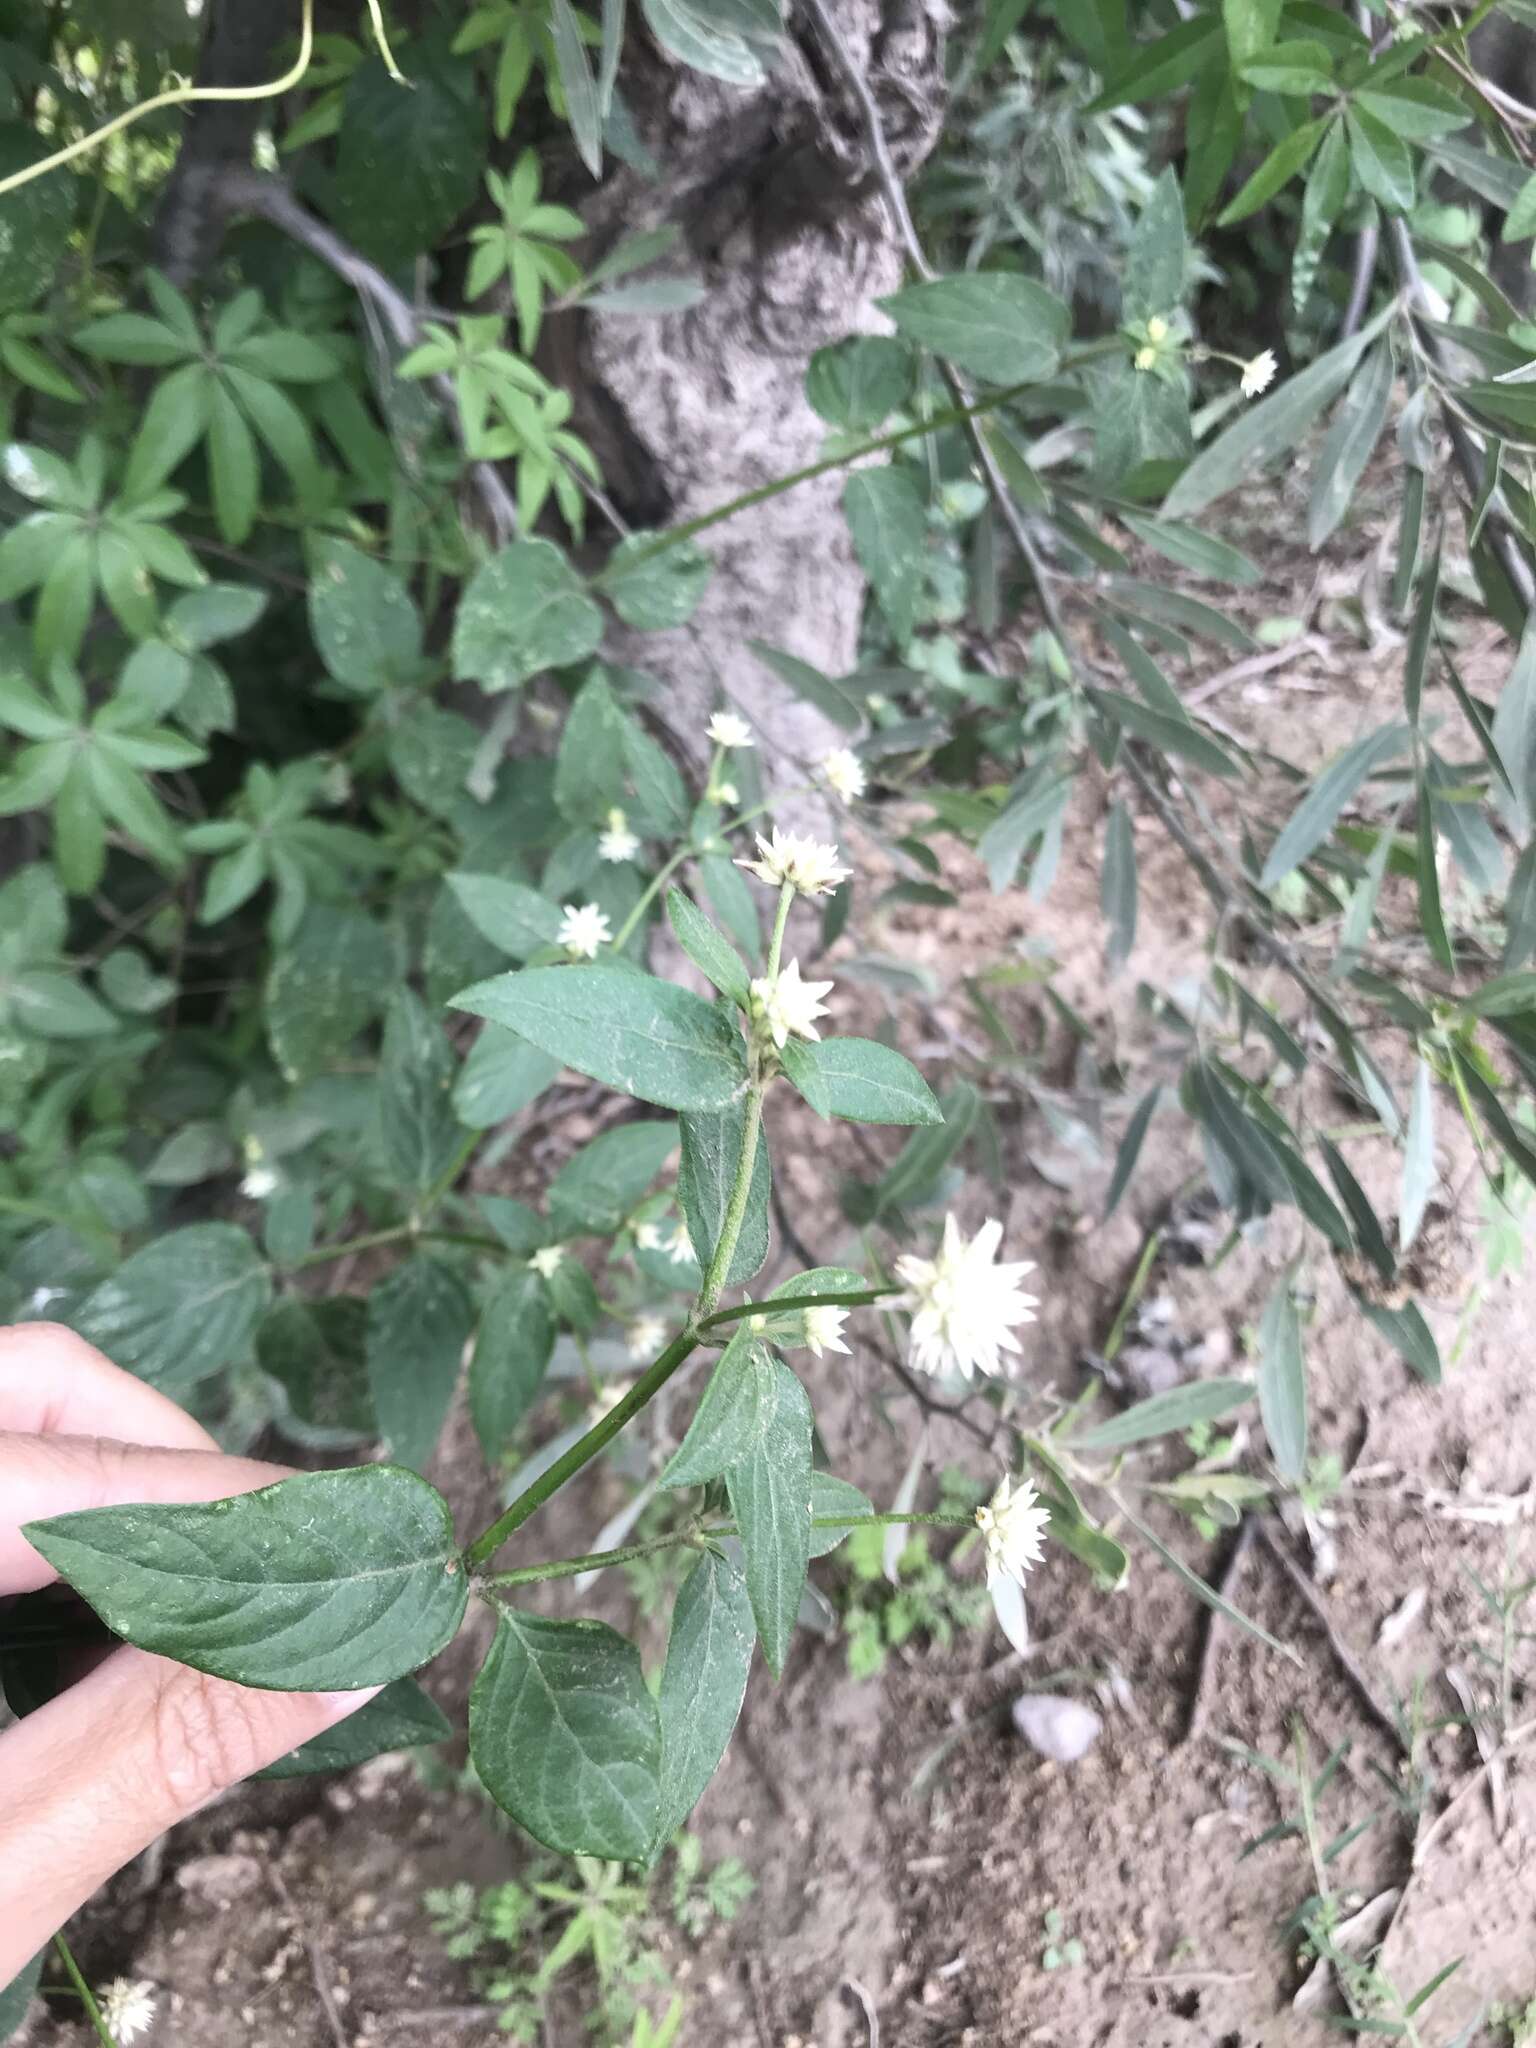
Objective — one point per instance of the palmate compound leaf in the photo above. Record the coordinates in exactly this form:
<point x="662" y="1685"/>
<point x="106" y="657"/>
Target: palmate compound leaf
<point x="638" y="1034"/>
<point x="566" y="1738"/>
<point x="325" y="1582"/>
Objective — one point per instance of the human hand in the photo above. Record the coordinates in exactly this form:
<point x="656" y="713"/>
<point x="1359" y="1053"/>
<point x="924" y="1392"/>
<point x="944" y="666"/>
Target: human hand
<point x="138" y="1743"/>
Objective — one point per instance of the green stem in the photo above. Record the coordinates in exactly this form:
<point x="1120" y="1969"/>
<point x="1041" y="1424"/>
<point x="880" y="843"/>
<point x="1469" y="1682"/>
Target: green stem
<point x="776" y="944"/>
<point x="86" y="1996"/>
<point x="736" y="1209"/>
<point x="598" y="1560"/>
<point x="449" y="1175"/>
<point x="397" y="1233"/>
<point x="533" y="1496"/>
<point x="952" y="416"/>
<point x="789" y="1304"/>
<point x="1133" y="1294"/>
<point x="648" y="896"/>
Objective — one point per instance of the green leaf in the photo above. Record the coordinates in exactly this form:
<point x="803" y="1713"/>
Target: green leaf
<point x="709" y="950"/>
<point x="1283" y="1382"/>
<point x="1318" y="812"/>
<point x="770" y="1496"/>
<point x="857" y="383"/>
<point x="56" y="1006"/>
<point x="653" y="582"/>
<point x="803" y="1074"/>
<point x="1382" y="161"/>
<point x="1117" y="887"/>
<point x="833" y="1496"/>
<point x="502" y="1075"/>
<point x="234" y="467"/>
<point x="694" y="33"/>
<point x="1299" y="68"/>
<point x="523" y="611"/>
<point x="1275" y="172"/>
<point x="181" y="1308"/>
<point x="408" y="158"/>
<point x="913" y="1174"/>
<point x="566" y="1738"/>
<point x="1418" y="1157"/>
<point x="1161" y="67"/>
<point x="1165" y="733"/>
<point x="419" y="1321"/>
<point x="1417" y="110"/>
<point x="992" y="324"/>
<point x="516" y="919"/>
<point x="870" y="1083"/>
<point x="324" y="1582"/>
<point x="366" y="626"/>
<point x="706" y="1176"/>
<point x="401" y="1717"/>
<point x="1348" y="445"/>
<point x="1368" y="1231"/>
<point x="18" y="1995"/>
<point x="35" y="220"/>
<point x="889" y="524"/>
<point x="198" y="1152"/>
<point x="1406" y="1330"/>
<point x="416" y="1075"/>
<point x="1040" y="800"/>
<point x="589" y="766"/>
<point x="1431" y="916"/>
<point x="582" y="104"/>
<point x="1201" y="553"/>
<point x="638" y="1034"/>
<point x="1276" y="426"/>
<point x="512" y="1353"/>
<point x="1155" y="261"/>
<point x="595" y="1190"/>
<point x="736" y="1409"/>
<point x="1520" y="911"/>
<point x="326" y="986"/>
<point x="830" y="698"/>
<point x="1162" y="1414"/>
<point x="317" y="1352"/>
<point x="662" y="801"/>
<point x="704" y="1681"/>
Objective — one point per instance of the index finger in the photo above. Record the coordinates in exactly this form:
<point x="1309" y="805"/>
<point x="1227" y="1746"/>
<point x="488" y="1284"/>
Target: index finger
<point x="54" y="1383"/>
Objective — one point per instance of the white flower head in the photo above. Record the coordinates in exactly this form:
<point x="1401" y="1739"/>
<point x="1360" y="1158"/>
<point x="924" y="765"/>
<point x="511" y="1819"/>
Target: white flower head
<point x="1013" y="1526"/>
<point x="723" y="793"/>
<point x="648" y="1237"/>
<point x="1259" y="374"/>
<point x="824" y="1329"/>
<point x="805" y="863"/>
<point x="963" y="1307"/>
<point x="681" y="1246"/>
<point x="548" y="1259"/>
<point x="618" y="843"/>
<point x="646" y="1338"/>
<point x="128" y="2009"/>
<point x="844" y="772"/>
<point x="727" y="730"/>
<point x="789" y="1006"/>
<point x="583" y="929"/>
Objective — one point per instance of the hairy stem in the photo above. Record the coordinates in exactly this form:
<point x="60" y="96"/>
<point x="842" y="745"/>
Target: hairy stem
<point x="602" y="1433"/>
<point x="736" y="1209"/>
<point x="83" y="1990"/>
<point x="598" y="1560"/>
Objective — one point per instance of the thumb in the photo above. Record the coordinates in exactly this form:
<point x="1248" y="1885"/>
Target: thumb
<point x="96" y="1775"/>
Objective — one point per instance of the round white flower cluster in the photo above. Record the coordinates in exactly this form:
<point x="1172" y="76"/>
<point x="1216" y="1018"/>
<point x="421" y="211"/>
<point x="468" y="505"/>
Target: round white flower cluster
<point x="584" y="929"/>
<point x="805" y="863"/>
<point x="1013" y="1526"/>
<point x="788" y="1006"/>
<point x="963" y="1306"/>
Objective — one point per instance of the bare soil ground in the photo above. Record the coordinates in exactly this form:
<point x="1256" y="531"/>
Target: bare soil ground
<point x="906" y="1844"/>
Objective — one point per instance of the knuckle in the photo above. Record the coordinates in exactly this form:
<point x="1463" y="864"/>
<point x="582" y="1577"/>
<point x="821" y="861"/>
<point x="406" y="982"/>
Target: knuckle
<point x="206" y="1735"/>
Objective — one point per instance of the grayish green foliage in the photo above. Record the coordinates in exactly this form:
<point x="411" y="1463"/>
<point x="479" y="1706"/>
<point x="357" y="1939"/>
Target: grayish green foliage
<point x="182" y="1307"/>
<point x="419" y="1320"/>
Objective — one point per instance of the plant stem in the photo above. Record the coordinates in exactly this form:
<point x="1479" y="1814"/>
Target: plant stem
<point x="781" y="919"/>
<point x="86" y="1995"/>
<point x="736" y="1209"/>
<point x="1133" y="1294"/>
<point x="533" y="1496"/>
<point x="597" y="1560"/>
<point x="789" y="1303"/>
<point x="397" y="1233"/>
<point x="952" y="416"/>
<point x="648" y="896"/>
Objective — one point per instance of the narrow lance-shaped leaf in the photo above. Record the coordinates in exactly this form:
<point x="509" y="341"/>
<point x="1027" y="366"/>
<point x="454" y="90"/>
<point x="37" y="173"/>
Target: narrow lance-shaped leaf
<point x="1418" y="1157"/>
<point x="1117" y="887"/>
<point x="1283" y="1381"/>
<point x="1159" y="1414"/>
<point x="1317" y="813"/>
<point x="321" y="1583"/>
